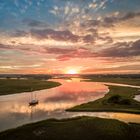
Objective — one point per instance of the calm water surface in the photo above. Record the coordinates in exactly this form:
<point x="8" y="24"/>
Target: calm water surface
<point x="15" y="109"/>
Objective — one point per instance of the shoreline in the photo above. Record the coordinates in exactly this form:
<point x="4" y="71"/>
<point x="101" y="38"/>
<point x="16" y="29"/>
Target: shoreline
<point x="113" y="101"/>
<point x="129" y="81"/>
<point x="103" y="110"/>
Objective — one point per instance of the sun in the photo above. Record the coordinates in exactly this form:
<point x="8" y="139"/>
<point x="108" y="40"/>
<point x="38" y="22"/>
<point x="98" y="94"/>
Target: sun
<point x="72" y="71"/>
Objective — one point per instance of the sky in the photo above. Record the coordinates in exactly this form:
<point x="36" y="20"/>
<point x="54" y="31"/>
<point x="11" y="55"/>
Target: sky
<point x="69" y="36"/>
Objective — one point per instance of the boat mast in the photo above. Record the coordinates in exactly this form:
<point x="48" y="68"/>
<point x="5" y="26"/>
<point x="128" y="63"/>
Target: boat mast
<point x="31" y="95"/>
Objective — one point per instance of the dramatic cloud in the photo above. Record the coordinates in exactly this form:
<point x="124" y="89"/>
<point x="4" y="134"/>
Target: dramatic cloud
<point x="60" y="51"/>
<point x="56" y="35"/>
<point x="78" y="33"/>
<point x="90" y="37"/>
<point x="122" y="49"/>
<point x="129" y="16"/>
<point x="26" y="48"/>
<point x="110" y="21"/>
<point x="118" y="50"/>
<point x="34" y="23"/>
<point x="77" y="53"/>
<point x="117" y="69"/>
<point x="19" y="33"/>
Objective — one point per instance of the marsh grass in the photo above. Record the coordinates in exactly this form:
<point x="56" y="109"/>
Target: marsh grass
<point x="118" y="99"/>
<point x="79" y="128"/>
<point x="11" y="86"/>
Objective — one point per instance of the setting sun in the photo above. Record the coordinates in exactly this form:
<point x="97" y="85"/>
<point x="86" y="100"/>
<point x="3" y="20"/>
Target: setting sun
<point x="72" y="71"/>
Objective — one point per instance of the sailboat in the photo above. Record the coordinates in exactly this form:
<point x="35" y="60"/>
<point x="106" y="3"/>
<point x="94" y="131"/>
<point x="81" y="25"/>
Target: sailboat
<point x="33" y="101"/>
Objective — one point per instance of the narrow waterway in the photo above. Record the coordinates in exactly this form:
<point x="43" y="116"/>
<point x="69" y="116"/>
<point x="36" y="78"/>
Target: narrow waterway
<point x="15" y="109"/>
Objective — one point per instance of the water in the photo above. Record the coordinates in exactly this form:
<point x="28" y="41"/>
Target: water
<point x="137" y="97"/>
<point x="15" y="109"/>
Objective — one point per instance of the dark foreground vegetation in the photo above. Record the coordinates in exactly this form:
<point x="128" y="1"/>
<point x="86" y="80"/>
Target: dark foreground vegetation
<point x="80" y="128"/>
<point x="119" y="99"/>
<point x="11" y="86"/>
